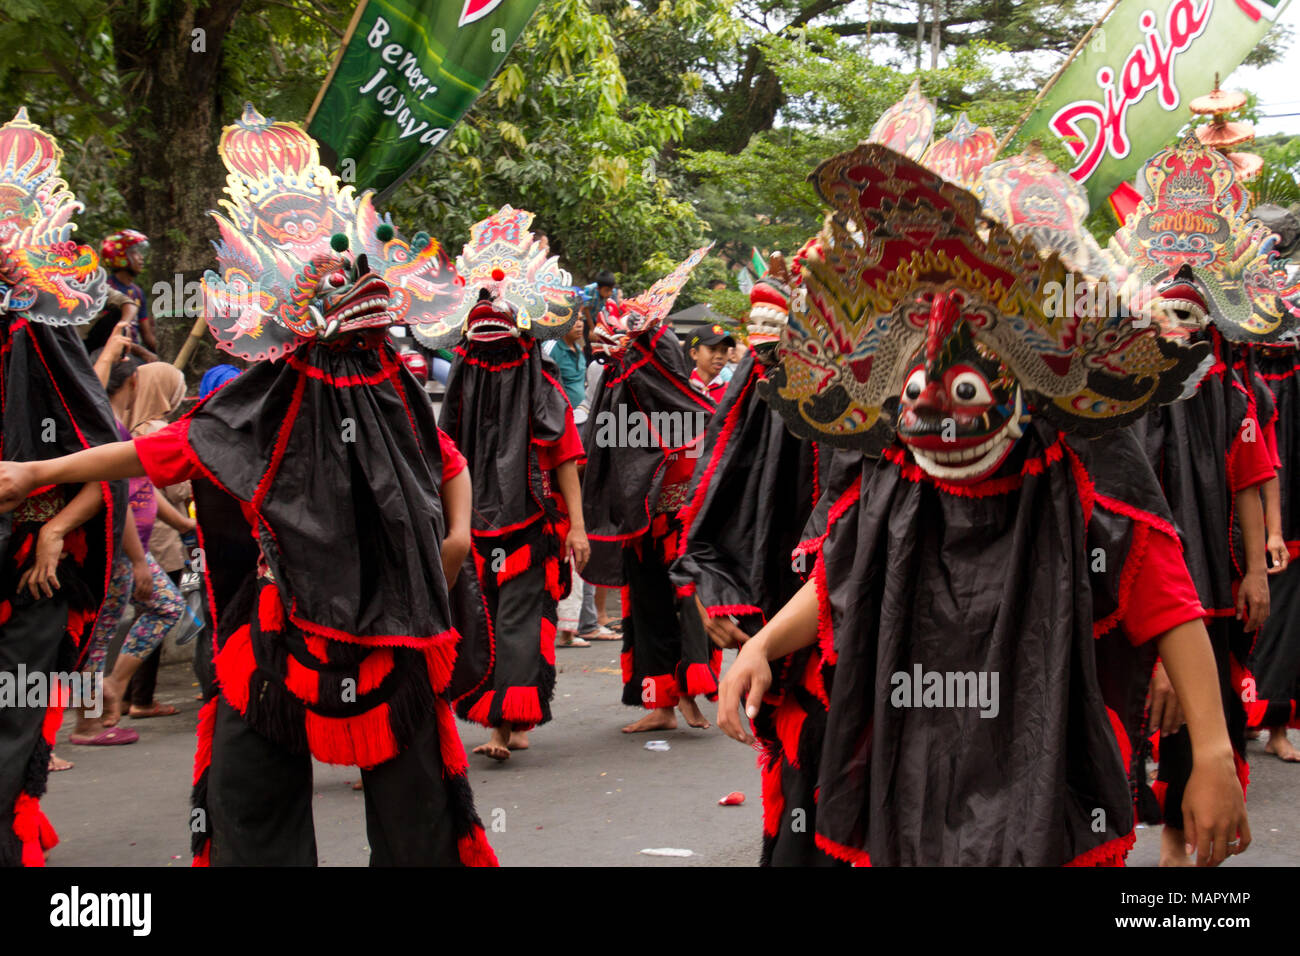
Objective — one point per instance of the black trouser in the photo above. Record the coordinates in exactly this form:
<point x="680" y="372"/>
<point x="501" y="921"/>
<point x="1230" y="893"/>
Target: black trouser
<point x="259" y="802"/>
<point x="33" y="637"/>
<point x="139" y="693"/>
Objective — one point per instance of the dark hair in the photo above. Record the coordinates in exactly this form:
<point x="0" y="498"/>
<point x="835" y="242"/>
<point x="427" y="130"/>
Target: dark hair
<point x="605" y="277"/>
<point x="121" y="373"/>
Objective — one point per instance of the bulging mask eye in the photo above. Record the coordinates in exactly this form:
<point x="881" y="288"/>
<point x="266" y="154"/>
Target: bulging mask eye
<point x="915" y="385"/>
<point x="969" y="388"/>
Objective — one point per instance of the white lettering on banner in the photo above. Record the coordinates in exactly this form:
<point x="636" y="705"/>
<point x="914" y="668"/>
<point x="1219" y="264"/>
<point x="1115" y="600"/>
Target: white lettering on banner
<point x="1149" y="66"/>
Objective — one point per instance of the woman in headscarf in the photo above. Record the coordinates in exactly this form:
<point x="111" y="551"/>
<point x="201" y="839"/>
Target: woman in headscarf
<point x="160" y="389"/>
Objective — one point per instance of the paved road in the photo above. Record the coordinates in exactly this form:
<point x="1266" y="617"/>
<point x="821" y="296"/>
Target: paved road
<point x="585" y="795"/>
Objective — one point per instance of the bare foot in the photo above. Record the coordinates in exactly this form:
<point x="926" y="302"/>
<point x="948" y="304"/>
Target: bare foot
<point x="1173" y="848"/>
<point x="113" y="691"/>
<point x="691" y="711"/>
<point x="661" y="718"/>
<point x="498" y="745"/>
<point x="1280" y="747"/>
<point x="518" y="740"/>
<point x="58" y="763"/>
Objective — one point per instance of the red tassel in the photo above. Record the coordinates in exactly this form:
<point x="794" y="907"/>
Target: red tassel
<point x="789" y="718"/>
<point x="521" y="705"/>
<point x="663" y="692"/>
<point x="235" y="665"/>
<point x="33" y="830"/>
<point x="553" y="587"/>
<point x="440" y="659"/>
<point x="270" y="611"/>
<point x="548" y="641"/>
<point x="302" y="682"/>
<point x="24" y="550"/>
<point x="479" y="712"/>
<point x="474" y="849"/>
<point x="454" y="761"/>
<point x="813" y="680"/>
<point x="515" y="564"/>
<point x="625" y="662"/>
<point x="53" y="718"/>
<point x="769" y="766"/>
<point x="377" y="665"/>
<point x="364" y="741"/>
<point x="203" y="753"/>
<point x="700" y="680"/>
<point x="203" y="859"/>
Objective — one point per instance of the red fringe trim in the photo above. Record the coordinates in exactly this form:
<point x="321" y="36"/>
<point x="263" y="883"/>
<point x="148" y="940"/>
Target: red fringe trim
<point x="789" y="719"/>
<point x="204" y="858"/>
<point x="440" y="659"/>
<point x="312" y="371"/>
<point x="318" y="647"/>
<point x="548" y="641"/>
<point x="683" y="591"/>
<point x="302" y="682"/>
<point x="416" y="641"/>
<point x="454" y="761"/>
<point x="625" y="662"/>
<point x="54" y="717"/>
<point x="813" y="679"/>
<point x="841" y="852"/>
<point x="75" y="544"/>
<point x="692" y="510"/>
<point x="739" y="610"/>
<point x="281" y="445"/>
<point x="515" y="564"/>
<point x="377" y="665"/>
<point x="521" y="705"/>
<point x="235" y="665"/>
<point x="472" y="359"/>
<point x="1110" y="853"/>
<point x="825" y="630"/>
<point x="364" y="741"/>
<point x="203" y="752"/>
<point x="479" y="712"/>
<point x="33" y="830"/>
<point x="1133" y="562"/>
<point x="270" y="610"/>
<point x="664" y="692"/>
<point x="475" y="850"/>
<point x="1121" y="738"/>
<point x="700" y="680"/>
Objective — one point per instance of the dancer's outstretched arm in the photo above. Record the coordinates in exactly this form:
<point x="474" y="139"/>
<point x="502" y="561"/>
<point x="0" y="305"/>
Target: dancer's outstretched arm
<point x="791" y="628"/>
<point x="576" y="545"/>
<point x="1214" y="810"/>
<point x="103" y="463"/>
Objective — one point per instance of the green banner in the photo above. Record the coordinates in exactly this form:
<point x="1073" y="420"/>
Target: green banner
<point x="1126" y="94"/>
<point x="410" y="69"/>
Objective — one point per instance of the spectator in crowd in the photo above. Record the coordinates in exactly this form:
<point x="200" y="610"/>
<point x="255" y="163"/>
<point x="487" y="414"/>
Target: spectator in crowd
<point x="123" y="253"/>
<point x="709" y="347"/>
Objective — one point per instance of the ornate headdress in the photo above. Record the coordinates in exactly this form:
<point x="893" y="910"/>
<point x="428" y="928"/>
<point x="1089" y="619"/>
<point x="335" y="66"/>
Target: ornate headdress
<point x="43" y="273"/>
<point x="618" y="322"/>
<point x="962" y="153"/>
<point x="1031" y="197"/>
<point x="905" y="277"/>
<point x="906" y="127"/>
<point x="1196" y="254"/>
<point x="301" y="257"/>
<point x="509" y="268"/>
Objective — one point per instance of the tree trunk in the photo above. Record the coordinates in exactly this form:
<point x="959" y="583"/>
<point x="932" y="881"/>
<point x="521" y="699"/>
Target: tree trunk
<point x="936" y="36"/>
<point x="171" y="73"/>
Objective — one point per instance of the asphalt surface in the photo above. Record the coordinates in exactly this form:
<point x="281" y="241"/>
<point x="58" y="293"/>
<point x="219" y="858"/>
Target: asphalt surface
<point x="584" y="795"/>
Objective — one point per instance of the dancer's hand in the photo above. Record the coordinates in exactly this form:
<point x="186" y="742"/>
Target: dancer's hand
<point x="721" y="630"/>
<point x="16" y="482"/>
<point x="749" y="677"/>
<point x="577" y="547"/>
<point x="1214" y="812"/>
<point x="1277" y="550"/>
<point x="143" y="580"/>
<point x="1252" y="600"/>
<point x="1166" y="713"/>
<point x="42" y="577"/>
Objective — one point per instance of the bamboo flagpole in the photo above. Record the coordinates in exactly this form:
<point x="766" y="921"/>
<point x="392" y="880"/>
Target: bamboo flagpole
<point x="191" y="342"/>
<point x="1047" y="87"/>
<point x="338" y="58"/>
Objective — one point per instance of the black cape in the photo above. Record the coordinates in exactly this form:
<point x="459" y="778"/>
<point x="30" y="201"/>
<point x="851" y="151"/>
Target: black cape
<point x="51" y="404"/>
<point x="1001" y="578"/>
<point x="621" y="486"/>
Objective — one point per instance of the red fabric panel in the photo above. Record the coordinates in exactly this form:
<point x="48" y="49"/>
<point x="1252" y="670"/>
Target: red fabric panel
<point x="1248" y="461"/>
<point x="453" y="462"/>
<point x="166" y="454"/>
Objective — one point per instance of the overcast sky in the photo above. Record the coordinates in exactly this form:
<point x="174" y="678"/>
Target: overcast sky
<point x="1276" y="85"/>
